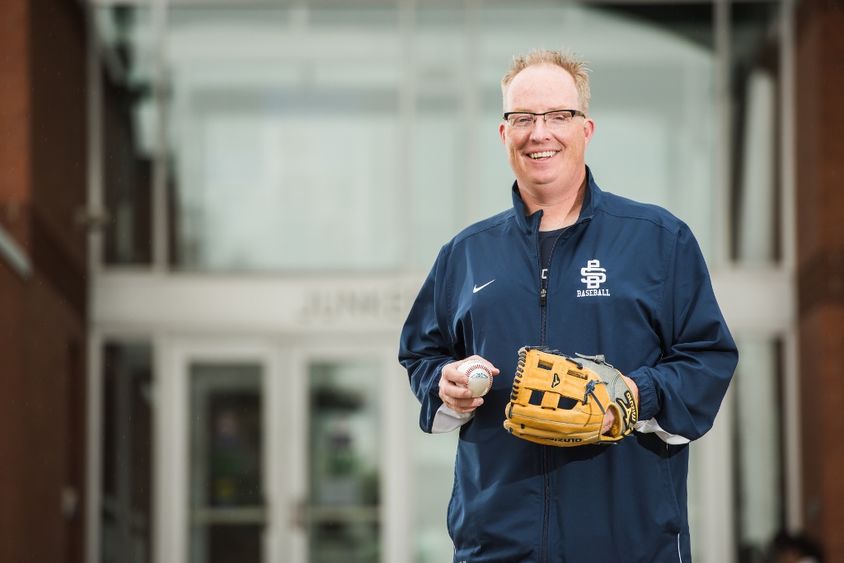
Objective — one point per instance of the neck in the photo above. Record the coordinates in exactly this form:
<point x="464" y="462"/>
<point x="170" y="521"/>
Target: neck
<point x="560" y="208"/>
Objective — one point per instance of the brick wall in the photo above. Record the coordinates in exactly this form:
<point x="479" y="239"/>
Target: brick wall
<point x="820" y="247"/>
<point x="43" y="160"/>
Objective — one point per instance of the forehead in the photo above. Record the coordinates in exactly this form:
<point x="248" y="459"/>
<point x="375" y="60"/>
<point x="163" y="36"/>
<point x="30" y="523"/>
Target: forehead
<point x="540" y="88"/>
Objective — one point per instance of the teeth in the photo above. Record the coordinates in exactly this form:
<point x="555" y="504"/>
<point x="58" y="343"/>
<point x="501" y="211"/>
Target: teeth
<point x="544" y="154"/>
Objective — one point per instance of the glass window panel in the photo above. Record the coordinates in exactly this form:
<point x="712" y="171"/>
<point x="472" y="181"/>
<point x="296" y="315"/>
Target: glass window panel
<point x="126" y="486"/>
<point x="756" y="132"/>
<point x="343" y="511"/>
<point x="363" y="17"/>
<point x="228" y="543"/>
<point x="433" y="477"/>
<point x="759" y="439"/>
<point x="282" y="159"/>
<point x="226" y="463"/>
<point x="655" y="143"/>
<point x="437" y="136"/>
<point x="254" y="209"/>
<point x="128" y="116"/>
<point x="344" y="541"/>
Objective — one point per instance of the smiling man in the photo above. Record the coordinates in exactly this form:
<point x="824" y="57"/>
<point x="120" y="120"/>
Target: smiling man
<point x="576" y="269"/>
<point x="547" y="151"/>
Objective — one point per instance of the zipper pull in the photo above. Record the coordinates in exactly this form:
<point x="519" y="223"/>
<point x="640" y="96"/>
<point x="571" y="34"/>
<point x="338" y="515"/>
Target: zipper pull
<point x="543" y="296"/>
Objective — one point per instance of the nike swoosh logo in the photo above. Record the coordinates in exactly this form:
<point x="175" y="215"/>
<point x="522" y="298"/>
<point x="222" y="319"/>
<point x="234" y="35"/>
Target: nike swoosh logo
<point x="476" y="289"/>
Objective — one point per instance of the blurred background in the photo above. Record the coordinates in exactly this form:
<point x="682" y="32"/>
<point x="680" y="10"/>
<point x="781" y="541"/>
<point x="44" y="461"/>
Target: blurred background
<point x="214" y="215"/>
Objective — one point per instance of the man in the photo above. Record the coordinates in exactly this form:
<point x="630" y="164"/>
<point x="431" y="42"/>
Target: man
<point x="576" y="269"/>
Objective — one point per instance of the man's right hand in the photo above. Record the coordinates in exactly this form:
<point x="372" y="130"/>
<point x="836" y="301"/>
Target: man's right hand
<point x="453" y="386"/>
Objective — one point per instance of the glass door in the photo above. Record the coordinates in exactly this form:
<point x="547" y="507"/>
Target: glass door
<point x="217" y="455"/>
<point x="346" y="508"/>
<point x="226" y="479"/>
<point x="341" y="514"/>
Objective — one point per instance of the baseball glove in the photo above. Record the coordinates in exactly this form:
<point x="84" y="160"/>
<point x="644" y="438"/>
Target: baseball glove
<point x="561" y="401"/>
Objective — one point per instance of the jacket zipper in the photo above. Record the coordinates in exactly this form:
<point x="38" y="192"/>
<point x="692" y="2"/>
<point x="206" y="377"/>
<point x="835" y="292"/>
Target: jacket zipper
<point x="543" y="291"/>
<point x="543" y="302"/>
<point x="543" y="288"/>
<point x="543" y="310"/>
<point x="543" y="313"/>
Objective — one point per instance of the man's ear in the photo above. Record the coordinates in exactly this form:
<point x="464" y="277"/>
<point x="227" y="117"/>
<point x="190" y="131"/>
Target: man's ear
<point x="501" y="132"/>
<point x="588" y="129"/>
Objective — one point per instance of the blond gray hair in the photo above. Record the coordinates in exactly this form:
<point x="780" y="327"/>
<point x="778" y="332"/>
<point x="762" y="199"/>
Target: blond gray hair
<point x="567" y="61"/>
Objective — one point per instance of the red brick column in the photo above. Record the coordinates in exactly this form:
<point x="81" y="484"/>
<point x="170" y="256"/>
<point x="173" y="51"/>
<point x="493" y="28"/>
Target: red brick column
<point x="819" y="61"/>
<point x="43" y="308"/>
<point x="14" y="197"/>
<point x="15" y="109"/>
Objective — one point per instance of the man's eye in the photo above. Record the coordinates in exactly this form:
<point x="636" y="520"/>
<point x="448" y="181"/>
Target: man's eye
<point x="559" y="117"/>
<point x="523" y="120"/>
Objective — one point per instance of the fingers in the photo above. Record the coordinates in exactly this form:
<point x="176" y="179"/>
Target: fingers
<point x="454" y="392"/>
<point x="609" y="418"/>
<point x="458" y="399"/>
<point x="633" y="387"/>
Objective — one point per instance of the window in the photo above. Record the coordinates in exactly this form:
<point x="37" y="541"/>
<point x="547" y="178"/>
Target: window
<point x="126" y="444"/>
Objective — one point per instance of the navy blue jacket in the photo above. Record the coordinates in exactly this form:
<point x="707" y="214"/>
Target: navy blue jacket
<point x="627" y="280"/>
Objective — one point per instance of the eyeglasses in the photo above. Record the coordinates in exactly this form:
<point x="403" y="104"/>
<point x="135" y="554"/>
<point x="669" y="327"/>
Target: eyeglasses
<point x="554" y="119"/>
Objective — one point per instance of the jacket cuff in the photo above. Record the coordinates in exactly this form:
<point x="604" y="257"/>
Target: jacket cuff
<point x="648" y="402"/>
<point x="432" y="403"/>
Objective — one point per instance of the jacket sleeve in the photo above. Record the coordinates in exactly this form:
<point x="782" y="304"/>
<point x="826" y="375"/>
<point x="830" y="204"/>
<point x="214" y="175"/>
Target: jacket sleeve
<point x="426" y="343"/>
<point x="684" y="390"/>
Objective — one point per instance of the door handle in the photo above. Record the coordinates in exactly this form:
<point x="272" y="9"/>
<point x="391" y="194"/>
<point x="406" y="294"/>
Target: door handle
<point x="299" y="514"/>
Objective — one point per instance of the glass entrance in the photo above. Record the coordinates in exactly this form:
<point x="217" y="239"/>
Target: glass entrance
<point x="270" y="454"/>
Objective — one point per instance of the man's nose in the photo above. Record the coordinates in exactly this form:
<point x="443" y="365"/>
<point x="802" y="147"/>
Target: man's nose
<point x="539" y="130"/>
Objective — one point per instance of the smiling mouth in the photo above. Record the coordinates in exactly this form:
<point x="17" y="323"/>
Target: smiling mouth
<point x="542" y="155"/>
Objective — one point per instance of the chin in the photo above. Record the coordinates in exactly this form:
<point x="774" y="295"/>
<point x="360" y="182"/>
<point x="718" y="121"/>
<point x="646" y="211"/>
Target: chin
<point x="544" y="180"/>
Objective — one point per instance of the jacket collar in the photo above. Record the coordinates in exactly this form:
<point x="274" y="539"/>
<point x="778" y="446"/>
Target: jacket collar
<point x="530" y="223"/>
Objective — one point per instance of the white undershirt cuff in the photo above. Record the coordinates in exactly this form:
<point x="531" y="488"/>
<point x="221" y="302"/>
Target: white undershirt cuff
<point x="652" y="426"/>
<point x="447" y="420"/>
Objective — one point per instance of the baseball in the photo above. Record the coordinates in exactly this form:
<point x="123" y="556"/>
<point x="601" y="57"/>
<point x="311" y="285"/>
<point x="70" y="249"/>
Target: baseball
<point x="480" y="378"/>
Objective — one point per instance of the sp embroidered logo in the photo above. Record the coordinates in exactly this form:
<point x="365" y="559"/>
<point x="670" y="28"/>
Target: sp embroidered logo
<point x="555" y="381"/>
<point x="593" y="275"/>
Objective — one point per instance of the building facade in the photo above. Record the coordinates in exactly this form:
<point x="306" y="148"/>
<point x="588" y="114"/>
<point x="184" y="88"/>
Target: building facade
<point x="217" y="215"/>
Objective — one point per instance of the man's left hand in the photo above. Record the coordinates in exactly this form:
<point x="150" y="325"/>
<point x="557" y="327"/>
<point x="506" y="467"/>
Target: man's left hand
<point x="609" y="418"/>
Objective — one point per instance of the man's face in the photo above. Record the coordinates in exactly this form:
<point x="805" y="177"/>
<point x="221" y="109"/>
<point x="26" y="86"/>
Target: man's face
<point x="543" y="157"/>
